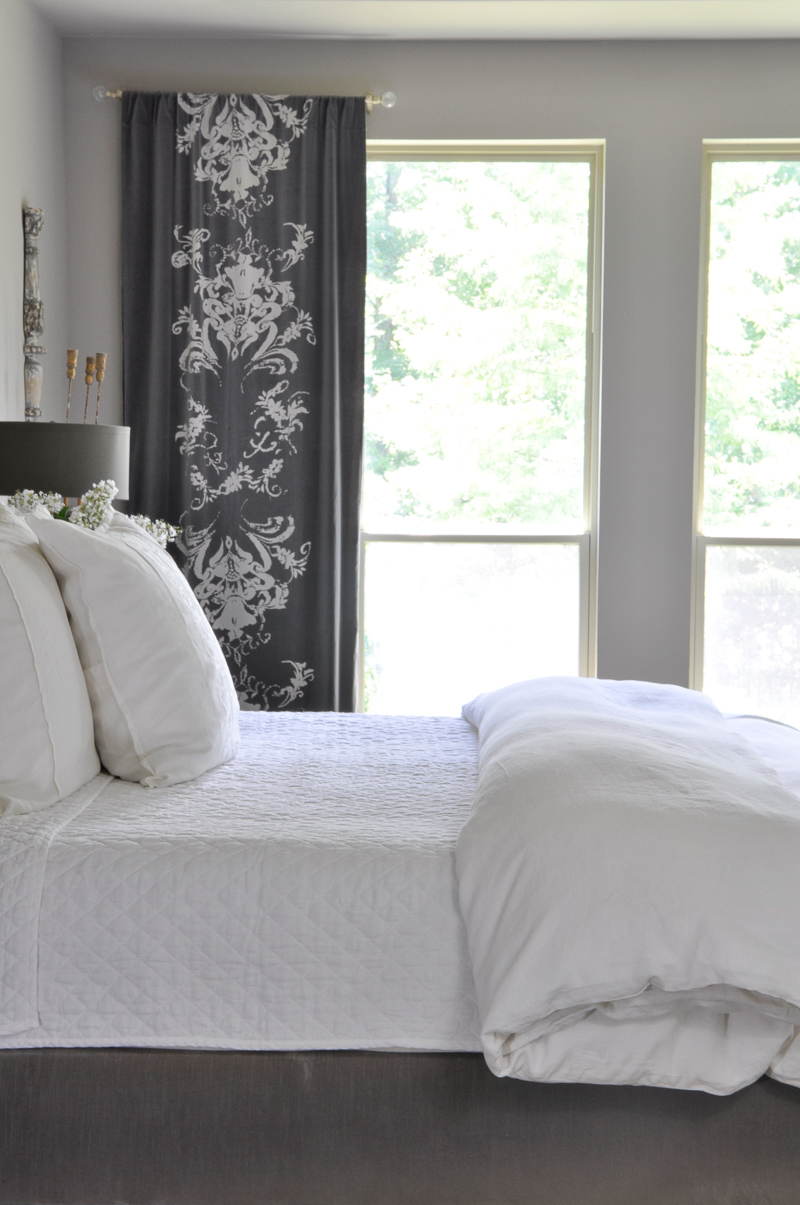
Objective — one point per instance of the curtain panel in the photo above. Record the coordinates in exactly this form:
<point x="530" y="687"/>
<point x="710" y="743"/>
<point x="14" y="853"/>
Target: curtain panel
<point x="243" y="268"/>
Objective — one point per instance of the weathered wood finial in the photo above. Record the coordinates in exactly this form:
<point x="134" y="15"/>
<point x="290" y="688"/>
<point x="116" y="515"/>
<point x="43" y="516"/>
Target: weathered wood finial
<point x="32" y="316"/>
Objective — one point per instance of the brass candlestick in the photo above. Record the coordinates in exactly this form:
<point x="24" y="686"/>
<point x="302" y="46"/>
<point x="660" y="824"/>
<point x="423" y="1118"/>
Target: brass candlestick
<point x="72" y="365"/>
<point x="90" y="366"/>
<point x="100" y="359"/>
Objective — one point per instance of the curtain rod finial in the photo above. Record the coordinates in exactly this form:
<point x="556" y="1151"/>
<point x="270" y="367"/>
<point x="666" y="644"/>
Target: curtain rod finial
<point x="388" y="100"/>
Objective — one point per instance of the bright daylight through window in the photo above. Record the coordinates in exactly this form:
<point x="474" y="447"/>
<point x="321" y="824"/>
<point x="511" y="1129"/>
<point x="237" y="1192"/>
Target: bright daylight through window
<point x="747" y="609"/>
<point x="481" y="384"/>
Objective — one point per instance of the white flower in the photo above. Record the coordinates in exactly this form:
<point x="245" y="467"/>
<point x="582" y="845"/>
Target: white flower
<point x="94" y="509"/>
<point x="26" y="501"/>
<point x="164" y="533"/>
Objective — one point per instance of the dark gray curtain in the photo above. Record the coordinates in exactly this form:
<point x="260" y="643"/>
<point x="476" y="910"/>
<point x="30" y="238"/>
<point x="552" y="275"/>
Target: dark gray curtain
<point x="243" y="266"/>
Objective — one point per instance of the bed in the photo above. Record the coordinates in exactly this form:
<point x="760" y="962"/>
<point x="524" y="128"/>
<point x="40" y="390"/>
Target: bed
<point x="259" y="983"/>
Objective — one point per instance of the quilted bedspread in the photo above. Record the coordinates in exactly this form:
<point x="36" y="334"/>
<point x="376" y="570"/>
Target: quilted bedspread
<point x="301" y="897"/>
<point x="24" y="844"/>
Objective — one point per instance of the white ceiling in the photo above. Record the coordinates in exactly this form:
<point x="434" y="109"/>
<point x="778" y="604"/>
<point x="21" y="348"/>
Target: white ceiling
<point x="387" y="19"/>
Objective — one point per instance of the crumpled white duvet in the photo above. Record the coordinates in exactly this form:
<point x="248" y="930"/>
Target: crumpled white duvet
<point x="629" y="881"/>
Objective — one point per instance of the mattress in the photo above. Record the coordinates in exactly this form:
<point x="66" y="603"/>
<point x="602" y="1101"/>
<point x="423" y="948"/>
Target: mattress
<point x="301" y="897"/>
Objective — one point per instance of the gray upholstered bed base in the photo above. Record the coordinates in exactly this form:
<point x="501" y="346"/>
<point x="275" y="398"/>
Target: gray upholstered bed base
<point x="97" y="1127"/>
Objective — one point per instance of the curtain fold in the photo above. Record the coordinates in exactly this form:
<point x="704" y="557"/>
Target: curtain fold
<point x="243" y="268"/>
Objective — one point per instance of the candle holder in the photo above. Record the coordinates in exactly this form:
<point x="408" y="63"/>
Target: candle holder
<point x="90" y="368"/>
<point x="72" y="366"/>
<point x="100" y="361"/>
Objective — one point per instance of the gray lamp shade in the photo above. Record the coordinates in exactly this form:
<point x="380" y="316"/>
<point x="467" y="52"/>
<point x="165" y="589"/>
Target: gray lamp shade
<point x="63" y="458"/>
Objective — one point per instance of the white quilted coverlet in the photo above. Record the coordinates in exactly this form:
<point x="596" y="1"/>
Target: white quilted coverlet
<point x="300" y="897"/>
<point x="24" y="843"/>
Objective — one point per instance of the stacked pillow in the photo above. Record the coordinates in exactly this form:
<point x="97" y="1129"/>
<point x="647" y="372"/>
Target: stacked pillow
<point x="164" y="706"/>
<point x="47" y="745"/>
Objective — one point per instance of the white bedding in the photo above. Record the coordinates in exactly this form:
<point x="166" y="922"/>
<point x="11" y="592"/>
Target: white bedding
<point x="24" y="844"/>
<point x="628" y="878"/>
<point x="301" y="897"/>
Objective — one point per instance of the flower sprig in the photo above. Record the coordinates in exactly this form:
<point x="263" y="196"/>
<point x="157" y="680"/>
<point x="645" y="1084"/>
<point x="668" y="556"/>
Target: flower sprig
<point x="26" y="501"/>
<point x="159" y="529"/>
<point x="94" y="508"/>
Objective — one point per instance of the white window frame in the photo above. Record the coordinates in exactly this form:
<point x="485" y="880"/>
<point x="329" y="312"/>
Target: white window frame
<point x="590" y="151"/>
<point x="718" y="150"/>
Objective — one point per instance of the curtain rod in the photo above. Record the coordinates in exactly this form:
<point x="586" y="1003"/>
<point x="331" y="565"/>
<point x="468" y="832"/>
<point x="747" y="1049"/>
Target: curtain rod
<point x="387" y="99"/>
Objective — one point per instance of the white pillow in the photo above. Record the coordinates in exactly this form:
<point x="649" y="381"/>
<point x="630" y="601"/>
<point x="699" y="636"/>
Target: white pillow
<point x="46" y="736"/>
<point x="164" y="705"/>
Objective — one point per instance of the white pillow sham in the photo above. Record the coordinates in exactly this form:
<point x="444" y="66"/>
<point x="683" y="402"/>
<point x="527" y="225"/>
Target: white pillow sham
<point x="165" y="709"/>
<point x="47" y="745"/>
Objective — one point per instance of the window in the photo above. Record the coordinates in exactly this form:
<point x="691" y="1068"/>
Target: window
<point x="746" y="628"/>
<point x="482" y="398"/>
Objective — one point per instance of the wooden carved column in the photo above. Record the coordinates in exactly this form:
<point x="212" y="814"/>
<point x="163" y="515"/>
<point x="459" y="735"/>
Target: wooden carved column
<point x="32" y="316"/>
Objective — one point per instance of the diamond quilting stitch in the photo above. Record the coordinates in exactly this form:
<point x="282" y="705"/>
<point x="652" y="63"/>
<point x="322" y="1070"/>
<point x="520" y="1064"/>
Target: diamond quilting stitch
<point x="342" y="932"/>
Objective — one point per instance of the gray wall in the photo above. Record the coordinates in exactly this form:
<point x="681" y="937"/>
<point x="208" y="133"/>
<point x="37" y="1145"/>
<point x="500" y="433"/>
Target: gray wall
<point x="653" y="102"/>
<point x="31" y="173"/>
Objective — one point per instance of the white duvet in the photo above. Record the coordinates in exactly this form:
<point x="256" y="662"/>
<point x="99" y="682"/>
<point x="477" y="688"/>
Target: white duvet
<point x="629" y="880"/>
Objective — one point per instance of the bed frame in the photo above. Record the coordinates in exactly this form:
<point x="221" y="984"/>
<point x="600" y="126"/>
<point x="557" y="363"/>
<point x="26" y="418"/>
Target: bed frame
<point x="145" y="1127"/>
